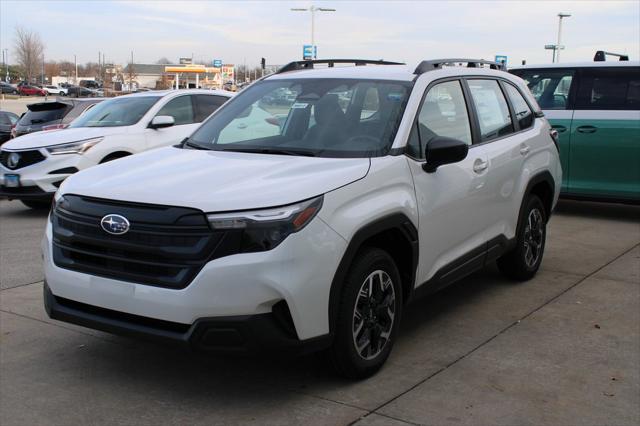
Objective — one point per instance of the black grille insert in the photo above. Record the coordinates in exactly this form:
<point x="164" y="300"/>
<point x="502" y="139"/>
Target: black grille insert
<point x="26" y="158"/>
<point x="165" y="246"/>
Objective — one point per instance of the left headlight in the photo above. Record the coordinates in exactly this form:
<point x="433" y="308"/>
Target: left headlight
<point x="265" y="229"/>
<point x="78" y="147"/>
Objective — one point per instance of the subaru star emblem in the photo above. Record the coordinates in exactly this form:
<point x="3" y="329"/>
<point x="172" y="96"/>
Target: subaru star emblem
<point x="13" y="160"/>
<point x="115" y="224"/>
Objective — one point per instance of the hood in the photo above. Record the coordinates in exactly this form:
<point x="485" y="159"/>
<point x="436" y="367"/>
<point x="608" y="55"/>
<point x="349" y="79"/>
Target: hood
<point x="215" y="181"/>
<point x="55" y="137"/>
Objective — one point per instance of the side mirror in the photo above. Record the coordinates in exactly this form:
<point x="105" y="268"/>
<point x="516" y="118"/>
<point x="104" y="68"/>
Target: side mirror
<point x="161" y="121"/>
<point x="441" y="150"/>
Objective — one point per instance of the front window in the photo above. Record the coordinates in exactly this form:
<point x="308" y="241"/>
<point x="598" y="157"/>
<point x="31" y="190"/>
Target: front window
<point x="116" y="112"/>
<point x="315" y="117"/>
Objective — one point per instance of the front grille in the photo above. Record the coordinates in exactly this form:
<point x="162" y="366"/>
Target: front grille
<point x="21" y="190"/>
<point x="26" y="158"/>
<point x="165" y="246"/>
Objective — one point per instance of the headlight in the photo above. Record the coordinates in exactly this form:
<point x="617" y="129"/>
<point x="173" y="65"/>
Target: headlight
<point x="78" y="147"/>
<point x="264" y="229"/>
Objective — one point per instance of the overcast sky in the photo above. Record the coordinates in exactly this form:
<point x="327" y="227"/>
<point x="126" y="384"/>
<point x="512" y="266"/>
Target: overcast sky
<point x="394" y="30"/>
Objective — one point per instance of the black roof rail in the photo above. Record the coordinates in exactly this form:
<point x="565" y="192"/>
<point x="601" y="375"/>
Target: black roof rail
<point x="433" y="64"/>
<point x="601" y="56"/>
<point x="308" y="64"/>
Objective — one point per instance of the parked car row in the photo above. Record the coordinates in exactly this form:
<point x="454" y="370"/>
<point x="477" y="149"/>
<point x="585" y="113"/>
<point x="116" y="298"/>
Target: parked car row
<point x="93" y="131"/>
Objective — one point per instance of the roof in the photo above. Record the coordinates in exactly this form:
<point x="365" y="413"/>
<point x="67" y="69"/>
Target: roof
<point x="383" y="72"/>
<point x="161" y="93"/>
<point x="592" y="64"/>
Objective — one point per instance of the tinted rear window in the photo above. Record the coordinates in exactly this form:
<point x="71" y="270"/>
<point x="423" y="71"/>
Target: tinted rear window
<point x="609" y="88"/>
<point x="44" y="116"/>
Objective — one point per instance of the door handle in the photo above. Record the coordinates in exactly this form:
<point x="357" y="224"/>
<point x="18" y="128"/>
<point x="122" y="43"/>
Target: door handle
<point x="525" y="150"/>
<point x="559" y="128"/>
<point x="587" y="129"/>
<point x="480" y="166"/>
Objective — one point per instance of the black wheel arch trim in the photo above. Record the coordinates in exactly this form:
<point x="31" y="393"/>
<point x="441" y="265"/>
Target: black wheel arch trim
<point x="396" y="221"/>
<point x="544" y="176"/>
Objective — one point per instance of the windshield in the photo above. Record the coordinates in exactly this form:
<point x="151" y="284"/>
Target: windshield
<point x="315" y="117"/>
<point x="116" y="112"/>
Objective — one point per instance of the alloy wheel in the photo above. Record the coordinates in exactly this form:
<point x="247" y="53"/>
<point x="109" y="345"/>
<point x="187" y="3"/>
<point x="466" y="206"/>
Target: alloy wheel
<point x="533" y="237"/>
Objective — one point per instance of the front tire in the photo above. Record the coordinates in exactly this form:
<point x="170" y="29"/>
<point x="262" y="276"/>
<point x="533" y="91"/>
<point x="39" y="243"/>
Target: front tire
<point x="524" y="260"/>
<point x="368" y="316"/>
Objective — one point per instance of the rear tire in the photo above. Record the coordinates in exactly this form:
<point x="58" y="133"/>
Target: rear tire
<point x="37" y="204"/>
<point x="523" y="261"/>
<point x="368" y="316"/>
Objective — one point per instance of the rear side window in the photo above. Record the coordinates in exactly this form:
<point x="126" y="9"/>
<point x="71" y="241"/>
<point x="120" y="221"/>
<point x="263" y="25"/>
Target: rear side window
<point x="550" y="87"/>
<point x="609" y="88"/>
<point x="524" y="115"/>
<point x="492" y="109"/>
<point x="180" y="108"/>
<point x="206" y="105"/>
<point x="4" y="119"/>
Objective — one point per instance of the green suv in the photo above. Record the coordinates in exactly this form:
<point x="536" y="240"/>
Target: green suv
<point x="595" y="107"/>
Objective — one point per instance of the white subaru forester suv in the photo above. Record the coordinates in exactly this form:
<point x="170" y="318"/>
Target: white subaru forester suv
<point x="309" y="210"/>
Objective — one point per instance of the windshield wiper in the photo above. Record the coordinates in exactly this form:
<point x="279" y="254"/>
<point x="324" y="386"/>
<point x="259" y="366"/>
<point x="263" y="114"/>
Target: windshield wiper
<point x="276" y="151"/>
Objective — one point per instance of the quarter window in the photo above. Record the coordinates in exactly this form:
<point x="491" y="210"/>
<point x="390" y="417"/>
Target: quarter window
<point x="180" y="109"/>
<point x="492" y="109"/>
<point x="443" y="113"/>
<point x="549" y="87"/>
<point x="524" y="115"/>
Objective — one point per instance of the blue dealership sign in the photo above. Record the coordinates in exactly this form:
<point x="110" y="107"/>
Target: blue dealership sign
<point x="309" y="51"/>
<point x="217" y="63"/>
<point x="501" y="59"/>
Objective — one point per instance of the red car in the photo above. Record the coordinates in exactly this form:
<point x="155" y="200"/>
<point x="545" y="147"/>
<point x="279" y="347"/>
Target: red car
<point x="31" y="91"/>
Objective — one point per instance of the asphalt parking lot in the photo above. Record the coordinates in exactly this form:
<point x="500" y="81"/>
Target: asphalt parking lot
<point x="561" y="349"/>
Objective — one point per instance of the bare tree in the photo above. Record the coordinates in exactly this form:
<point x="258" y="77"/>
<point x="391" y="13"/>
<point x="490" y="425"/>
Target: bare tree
<point x="29" y="49"/>
<point x="163" y="61"/>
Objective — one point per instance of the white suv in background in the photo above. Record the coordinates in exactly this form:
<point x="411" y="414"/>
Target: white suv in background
<point x="33" y="166"/>
<point x="309" y="224"/>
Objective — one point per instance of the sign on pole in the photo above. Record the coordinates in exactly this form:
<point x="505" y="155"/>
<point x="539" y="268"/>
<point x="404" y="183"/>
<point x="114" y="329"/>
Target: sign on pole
<point x="217" y="63"/>
<point x="309" y="52"/>
<point x="501" y="59"/>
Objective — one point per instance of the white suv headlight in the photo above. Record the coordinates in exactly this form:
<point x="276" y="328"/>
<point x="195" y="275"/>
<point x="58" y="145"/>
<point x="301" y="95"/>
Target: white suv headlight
<point x="78" y="147"/>
<point x="260" y="230"/>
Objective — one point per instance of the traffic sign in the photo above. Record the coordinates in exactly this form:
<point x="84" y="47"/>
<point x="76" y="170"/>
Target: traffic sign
<point x="217" y="63"/>
<point x="501" y="59"/>
<point x="309" y="51"/>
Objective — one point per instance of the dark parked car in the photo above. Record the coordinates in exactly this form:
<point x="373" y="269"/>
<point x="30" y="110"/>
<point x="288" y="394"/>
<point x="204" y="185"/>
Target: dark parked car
<point x="90" y="84"/>
<point x="7" y="121"/>
<point x="52" y="115"/>
<point x="31" y="91"/>
<point x="7" y="88"/>
<point x="80" y="92"/>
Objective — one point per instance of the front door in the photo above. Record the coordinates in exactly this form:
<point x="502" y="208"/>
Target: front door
<point x="182" y="111"/>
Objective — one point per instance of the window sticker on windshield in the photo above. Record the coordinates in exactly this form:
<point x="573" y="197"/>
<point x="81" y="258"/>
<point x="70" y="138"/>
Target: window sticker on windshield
<point x="394" y="96"/>
<point x="299" y="105"/>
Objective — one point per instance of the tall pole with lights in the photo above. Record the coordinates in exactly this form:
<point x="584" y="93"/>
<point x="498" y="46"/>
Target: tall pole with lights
<point x="559" y="44"/>
<point x="313" y="11"/>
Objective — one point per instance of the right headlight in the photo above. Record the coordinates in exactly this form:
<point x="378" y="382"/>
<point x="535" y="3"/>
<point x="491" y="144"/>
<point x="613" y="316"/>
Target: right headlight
<point x="265" y="229"/>
<point x="78" y="147"/>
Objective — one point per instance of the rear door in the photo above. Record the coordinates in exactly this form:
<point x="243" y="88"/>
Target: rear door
<point x="554" y="90"/>
<point x="183" y="111"/>
<point x="605" y="134"/>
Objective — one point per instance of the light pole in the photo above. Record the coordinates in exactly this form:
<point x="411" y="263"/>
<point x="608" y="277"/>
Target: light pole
<point x="313" y="11"/>
<point x="560" y="16"/>
<point x="558" y="46"/>
<point x="6" y="62"/>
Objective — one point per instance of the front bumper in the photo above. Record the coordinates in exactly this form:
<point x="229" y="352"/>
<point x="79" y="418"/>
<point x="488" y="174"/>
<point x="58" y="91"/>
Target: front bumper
<point x="298" y="272"/>
<point x="244" y="333"/>
<point x="43" y="177"/>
